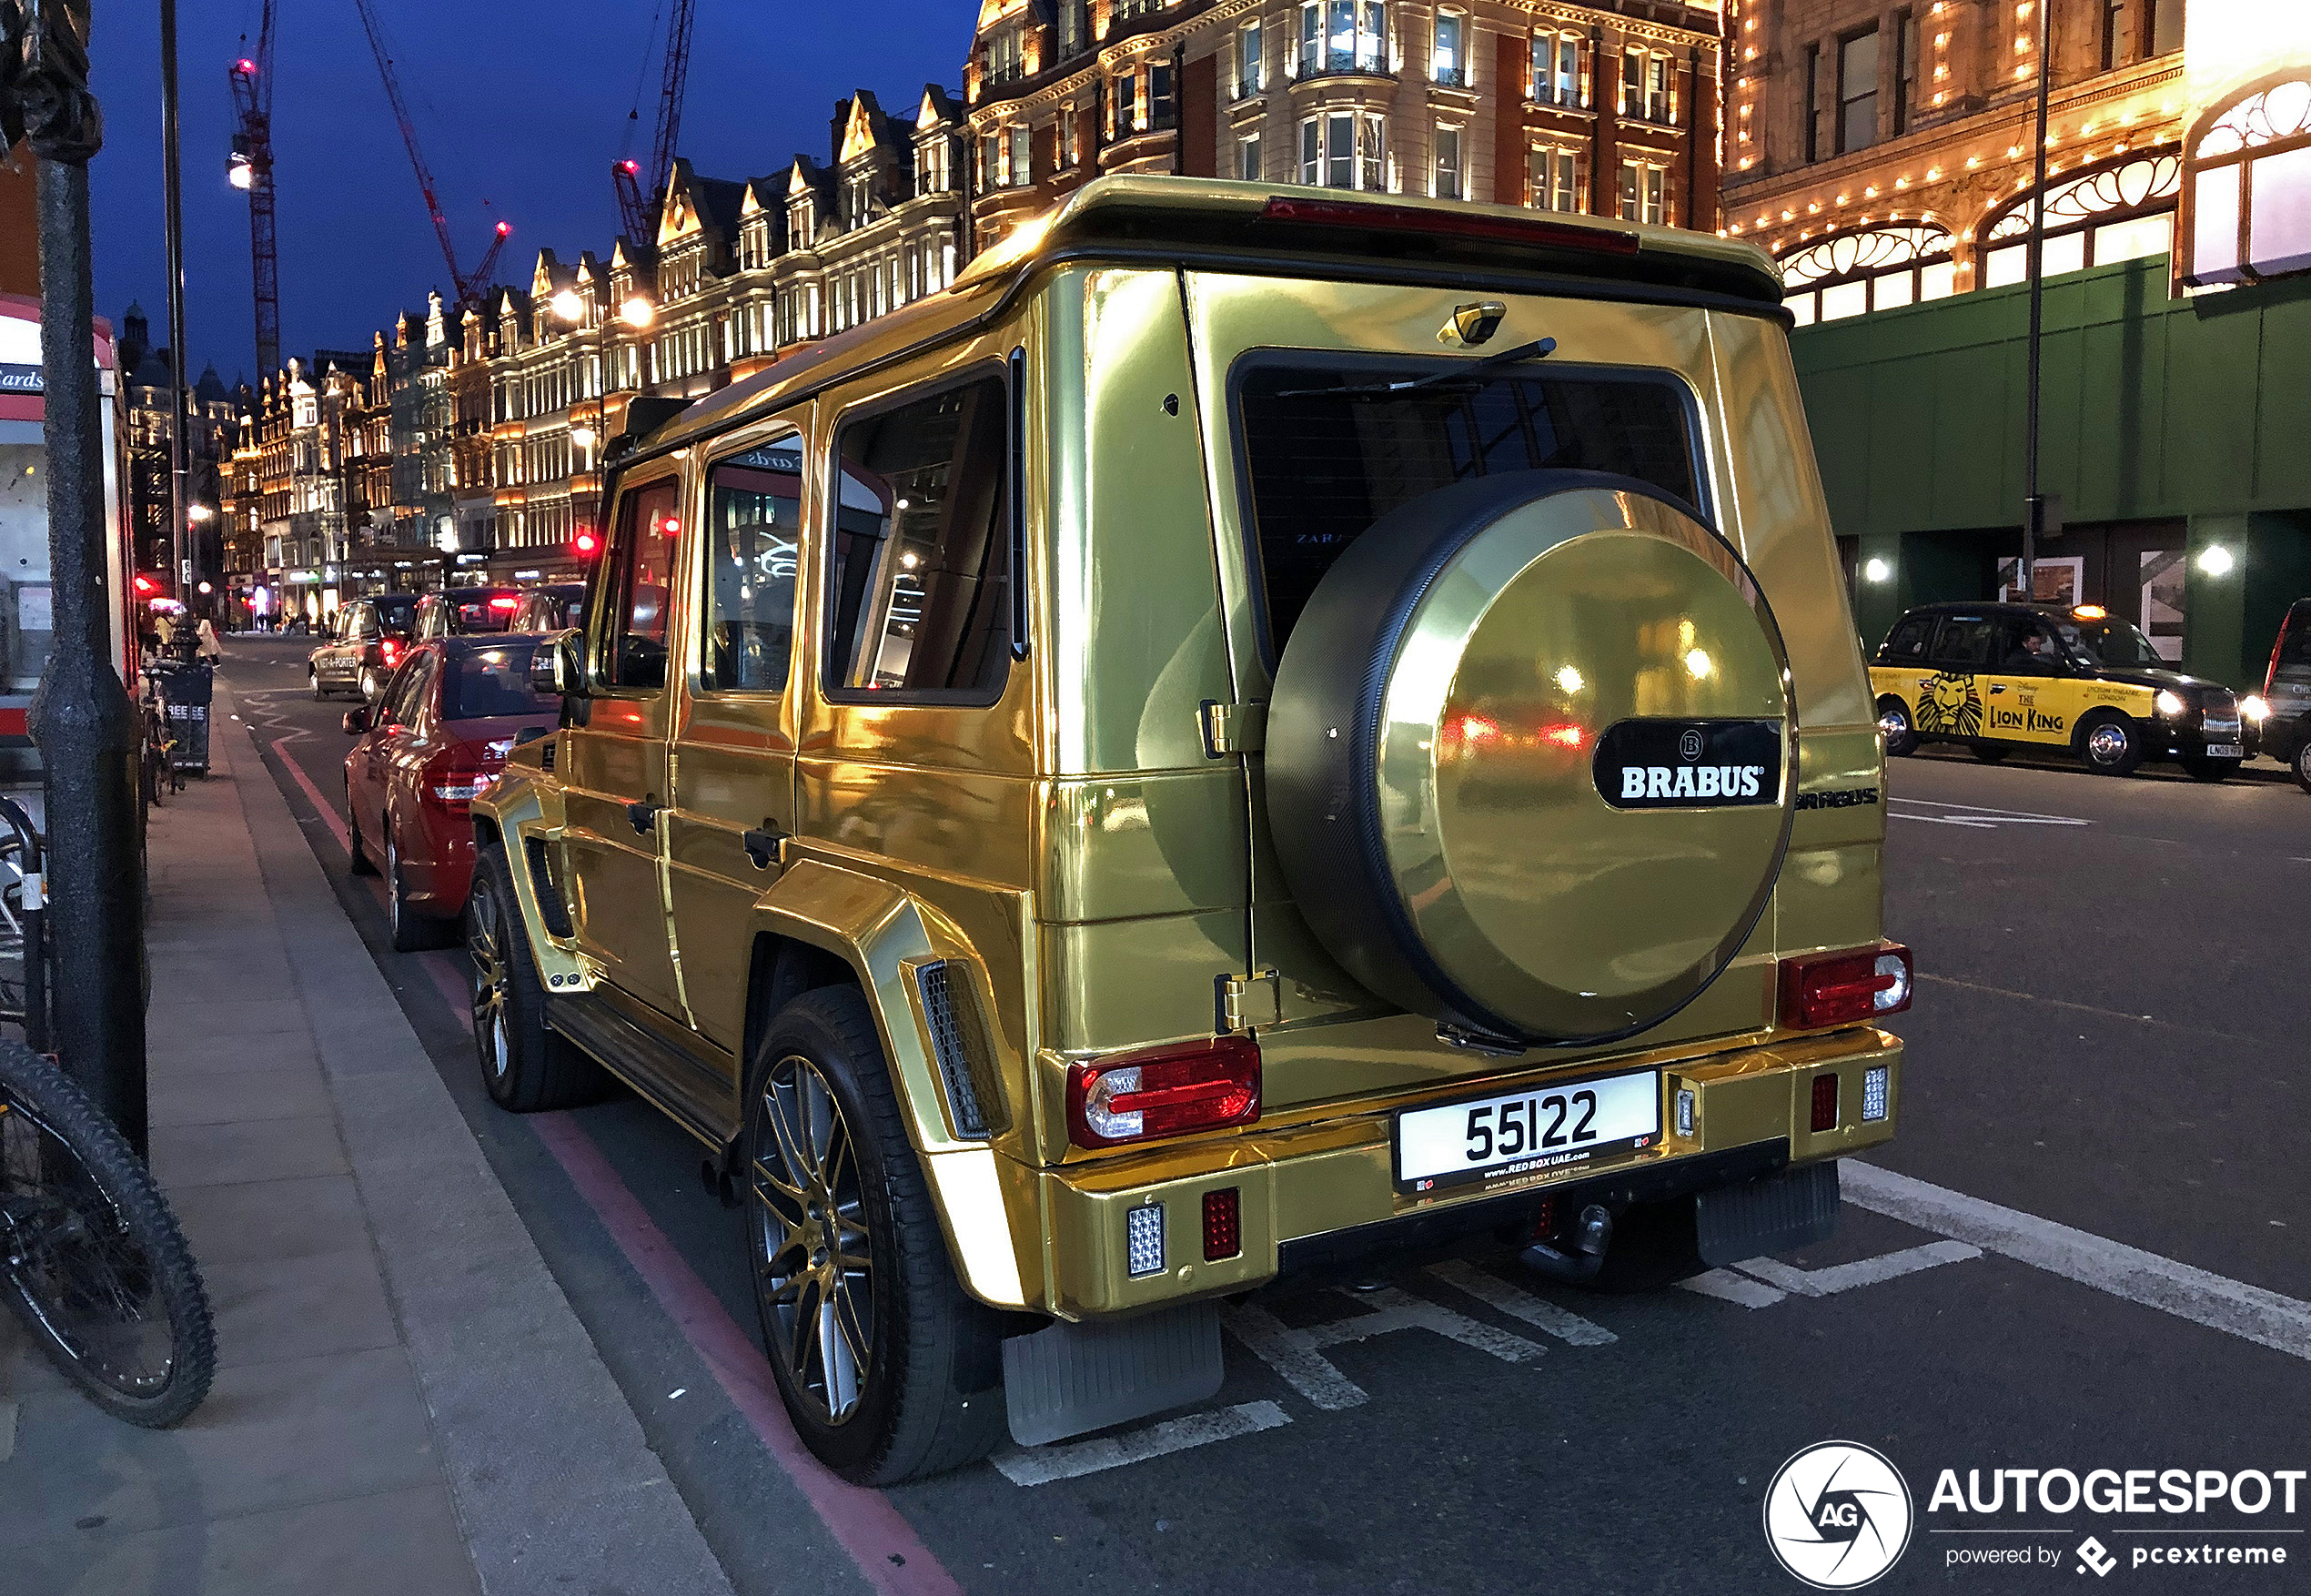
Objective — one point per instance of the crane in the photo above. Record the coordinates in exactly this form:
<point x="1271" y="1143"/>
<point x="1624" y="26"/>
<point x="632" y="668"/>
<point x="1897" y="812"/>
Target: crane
<point x="470" y="290"/>
<point x="636" y="200"/>
<point x="252" y="169"/>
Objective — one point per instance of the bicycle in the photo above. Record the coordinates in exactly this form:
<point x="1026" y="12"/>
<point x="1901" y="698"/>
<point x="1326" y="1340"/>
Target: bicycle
<point x="91" y="1259"/>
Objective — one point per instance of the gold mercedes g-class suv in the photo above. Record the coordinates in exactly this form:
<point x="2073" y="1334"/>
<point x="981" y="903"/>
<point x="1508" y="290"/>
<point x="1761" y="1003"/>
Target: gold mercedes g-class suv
<point x="1257" y="730"/>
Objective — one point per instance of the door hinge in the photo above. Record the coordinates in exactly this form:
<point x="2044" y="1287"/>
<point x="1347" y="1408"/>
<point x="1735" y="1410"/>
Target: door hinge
<point x="1249" y="1001"/>
<point x="1232" y="728"/>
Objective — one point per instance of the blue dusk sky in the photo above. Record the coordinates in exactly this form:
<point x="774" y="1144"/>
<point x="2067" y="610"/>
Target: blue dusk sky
<point x="521" y="111"/>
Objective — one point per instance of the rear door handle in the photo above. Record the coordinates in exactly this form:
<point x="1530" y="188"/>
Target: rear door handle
<point x="763" y="846"/>
<point x="644" y="815"/>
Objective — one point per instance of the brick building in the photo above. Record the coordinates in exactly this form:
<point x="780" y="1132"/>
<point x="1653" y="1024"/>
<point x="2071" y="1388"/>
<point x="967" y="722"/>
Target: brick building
<point x="1607" y="109"/>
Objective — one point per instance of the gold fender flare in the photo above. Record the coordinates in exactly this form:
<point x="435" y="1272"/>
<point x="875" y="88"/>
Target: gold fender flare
<point x="986" y="1203"/>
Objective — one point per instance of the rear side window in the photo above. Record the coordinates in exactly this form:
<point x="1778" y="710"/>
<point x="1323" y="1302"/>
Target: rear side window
<point x="494" y="681"/>
<point x="2295" y="647"/>
<point x="1909" y="638"/>
<point x="1330" y="449"/>
<point x="1964" y="642"/>
<point x="919" y="589"/>
<point x="398" y="613"/>
<point x="753" y="521"/>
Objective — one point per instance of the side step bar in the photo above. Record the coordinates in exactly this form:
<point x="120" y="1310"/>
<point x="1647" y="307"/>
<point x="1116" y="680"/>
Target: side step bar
<point x="668" y="1075"/>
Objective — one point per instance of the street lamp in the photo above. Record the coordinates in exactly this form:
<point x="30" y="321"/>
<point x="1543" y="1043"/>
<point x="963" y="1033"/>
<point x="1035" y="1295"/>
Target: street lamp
<point x="637" y="312"/>
<point x="568" y="306"/>
<point x="2215" y="559"/>
<point x="198" y="512"/>
<point x="583" y="437"/>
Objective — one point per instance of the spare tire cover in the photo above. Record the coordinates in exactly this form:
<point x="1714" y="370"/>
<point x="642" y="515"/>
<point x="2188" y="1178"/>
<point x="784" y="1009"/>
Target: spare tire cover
<point x="1530" y="756"/>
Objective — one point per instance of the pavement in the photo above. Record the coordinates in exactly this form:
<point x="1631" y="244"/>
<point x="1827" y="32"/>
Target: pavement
<point x="2083" y="1251"/>
<point x="405" y="1402"/>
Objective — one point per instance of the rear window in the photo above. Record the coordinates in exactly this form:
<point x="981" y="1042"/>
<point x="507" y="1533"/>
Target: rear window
<point x="494" y="681"/>
<point x="1329" y="450"/>
<point x="396" y="612"/>
<point x="1909" y="638"/>
<point x="483" y="611"/>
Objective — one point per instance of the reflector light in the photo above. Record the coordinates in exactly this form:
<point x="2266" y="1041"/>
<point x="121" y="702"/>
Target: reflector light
<point x="1825" y="1102"/>
<point x="1408" y="218"/>
<point x="1685" y="1104"/>
<point x="1143" y="1240"/>
<point x="1163" y="1092"/>
<point x="1875" y="1084"/>
<point x="1844" y="989"/>
<point x="1222" y="1224"/>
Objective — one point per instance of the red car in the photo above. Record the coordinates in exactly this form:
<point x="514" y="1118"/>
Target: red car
<point x="434" y="741"/>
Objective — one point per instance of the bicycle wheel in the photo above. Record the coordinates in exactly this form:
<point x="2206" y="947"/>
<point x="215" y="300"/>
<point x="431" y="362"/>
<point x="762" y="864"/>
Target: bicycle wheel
<point x="91" y="1258"/>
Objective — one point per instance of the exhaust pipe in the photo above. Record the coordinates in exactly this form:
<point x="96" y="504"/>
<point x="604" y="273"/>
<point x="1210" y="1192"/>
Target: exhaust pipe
<point x="1592" y="1234"/>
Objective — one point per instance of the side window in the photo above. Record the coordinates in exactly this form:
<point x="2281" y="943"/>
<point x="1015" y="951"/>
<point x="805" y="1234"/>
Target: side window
<point x="753" y="525"/>
<point x="919" y="587"/>
<point x="364" y="623"/>
<point x="1964" y="642"/>
<point x="642" y="610"/>
<point x="1907" y="640"/>
<point x="2295" y="647"/>
<point x="406" y="690"/>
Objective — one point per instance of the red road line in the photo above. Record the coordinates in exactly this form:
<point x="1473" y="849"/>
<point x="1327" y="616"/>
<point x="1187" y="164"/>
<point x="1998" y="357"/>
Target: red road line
<point x="889" y="1553"/>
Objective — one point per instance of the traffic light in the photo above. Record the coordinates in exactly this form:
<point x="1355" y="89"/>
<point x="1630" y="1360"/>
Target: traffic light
<point x="585" y="543"/>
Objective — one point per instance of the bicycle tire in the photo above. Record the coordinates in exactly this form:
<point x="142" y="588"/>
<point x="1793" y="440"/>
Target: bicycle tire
<point x="126" y="1232"/>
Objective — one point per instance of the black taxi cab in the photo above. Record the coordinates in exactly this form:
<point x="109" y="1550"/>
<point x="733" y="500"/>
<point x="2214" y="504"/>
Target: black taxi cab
<point x="1999" y="677"/>
<point x="2278" y="719"/>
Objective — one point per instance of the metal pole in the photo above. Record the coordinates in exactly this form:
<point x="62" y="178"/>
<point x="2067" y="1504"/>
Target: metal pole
<point x="81" y="719"/>
<point x="182" y="546"/>
<point x="2033" y="501"/>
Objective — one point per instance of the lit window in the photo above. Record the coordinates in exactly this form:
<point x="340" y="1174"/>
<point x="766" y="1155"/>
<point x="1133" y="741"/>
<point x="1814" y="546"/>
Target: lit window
<point x="1343" y="36"/>
<point x="1251" y="66"/>
<point x="1447" y="63"/>
<point x="1446" y="185"/>
<point x="1552" y="180"/>
<point x="1644" y="193"/>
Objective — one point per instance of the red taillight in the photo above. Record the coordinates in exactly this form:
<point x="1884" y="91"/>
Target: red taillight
<point x="1163" y="1092"/>
<point x="392" y="648"/>
<point x="1825" y="1101"/>
<point x="1845" y="989"/>
<point x="506" y="603"/>
<point x="1410" y="218"/>
<point x="1222" y="1224"/>
<point x="454" y="782"/>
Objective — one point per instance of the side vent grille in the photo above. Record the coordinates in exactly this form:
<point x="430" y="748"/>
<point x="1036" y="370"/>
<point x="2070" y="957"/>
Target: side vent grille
<point x="546" y="756"/>
<point x="550" y="908"/>
<point x="960" y="1042"/>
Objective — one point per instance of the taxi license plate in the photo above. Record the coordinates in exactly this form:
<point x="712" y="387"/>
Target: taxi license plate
<point x="2224" y="751"/>
<point x="1523" y="1133"/>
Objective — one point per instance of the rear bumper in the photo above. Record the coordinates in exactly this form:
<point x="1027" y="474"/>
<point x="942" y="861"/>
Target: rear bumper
<point x="1321" y="1196"/>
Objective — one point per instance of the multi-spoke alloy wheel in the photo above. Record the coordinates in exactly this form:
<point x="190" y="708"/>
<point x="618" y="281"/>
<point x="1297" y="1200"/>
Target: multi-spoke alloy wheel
<point x="889" y="1370"/>
<point x="811" y="1244"/>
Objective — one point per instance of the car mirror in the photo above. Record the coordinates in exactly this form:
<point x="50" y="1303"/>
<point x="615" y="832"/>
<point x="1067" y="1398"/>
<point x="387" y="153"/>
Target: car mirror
<point x="556" y="668"/>
<point x="357" y="721"/>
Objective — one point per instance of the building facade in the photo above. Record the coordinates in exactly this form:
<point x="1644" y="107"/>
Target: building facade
<point x="2176" y="348"/>
<point x="1602" y="109"/>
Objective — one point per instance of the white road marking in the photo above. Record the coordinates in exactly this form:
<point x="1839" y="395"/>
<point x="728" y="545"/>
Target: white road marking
<point x="1398" y="1310"/>
<point x="1727" y="1287"/>
<point x="1497" y="1293"/>
<point x="1074" y="1459"/>
<point x="1976" y="816"/>
<point x="1868" y="1271"/>
<point x="1294" y="1357"/>
<point x="2248" y="1312"/>
<point x="1990" y="810"/>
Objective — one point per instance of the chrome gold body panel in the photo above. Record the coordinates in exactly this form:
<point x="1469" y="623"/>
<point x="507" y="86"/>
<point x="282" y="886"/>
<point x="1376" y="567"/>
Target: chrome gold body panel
<point x="1083" y="848"/>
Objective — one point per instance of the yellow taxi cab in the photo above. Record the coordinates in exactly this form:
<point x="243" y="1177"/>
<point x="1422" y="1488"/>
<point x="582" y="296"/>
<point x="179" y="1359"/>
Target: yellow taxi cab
<point x="1999" y="677"/>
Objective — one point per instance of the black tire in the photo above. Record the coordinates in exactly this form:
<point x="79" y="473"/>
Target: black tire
<point x="2301" y="764"/>
<point x="1990" y="753"/>
<point x="356" y="850"/>
<point x="2109" y="745"/>
<point x="1893" y="720"/>
<point x="2212" y="770"/>
<point x="412" y="932"/>
<point x="526" y="1067"/>
<point x="930" y="1397"/>
<point x="125" y="1206"/>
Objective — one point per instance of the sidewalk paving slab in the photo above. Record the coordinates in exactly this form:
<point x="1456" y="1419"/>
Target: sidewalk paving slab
<point x="405" y="1402"/>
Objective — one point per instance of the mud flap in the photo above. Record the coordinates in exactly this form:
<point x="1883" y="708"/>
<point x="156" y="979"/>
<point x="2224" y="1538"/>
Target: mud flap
<point x="1778" y="1214"/>
<point x="1069" y="1380"/>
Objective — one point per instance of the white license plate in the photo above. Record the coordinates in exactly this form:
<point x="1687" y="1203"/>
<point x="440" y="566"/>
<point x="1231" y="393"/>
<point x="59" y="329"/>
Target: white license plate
<point x="1525" y="1132"/>
<point x="2224" y="751"/>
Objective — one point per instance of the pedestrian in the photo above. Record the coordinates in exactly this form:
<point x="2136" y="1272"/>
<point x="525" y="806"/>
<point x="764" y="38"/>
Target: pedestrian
<point x="205" y="643"/>
<point x="164" y="630"/>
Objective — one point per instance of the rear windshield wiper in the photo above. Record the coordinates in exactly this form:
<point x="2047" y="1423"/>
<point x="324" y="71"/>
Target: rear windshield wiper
<point x="1452" y="377"/>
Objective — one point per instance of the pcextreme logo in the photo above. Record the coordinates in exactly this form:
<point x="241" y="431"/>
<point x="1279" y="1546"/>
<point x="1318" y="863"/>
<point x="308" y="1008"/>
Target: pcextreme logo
<point x="1838" y="1515"/>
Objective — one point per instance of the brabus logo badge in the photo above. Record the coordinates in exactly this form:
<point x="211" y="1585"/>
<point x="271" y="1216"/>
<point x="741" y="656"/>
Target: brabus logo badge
<point x="1690" y="745"/>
